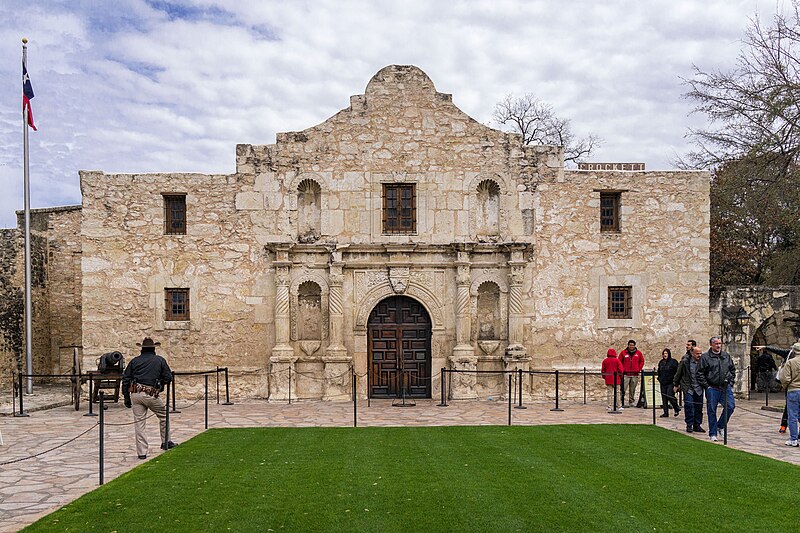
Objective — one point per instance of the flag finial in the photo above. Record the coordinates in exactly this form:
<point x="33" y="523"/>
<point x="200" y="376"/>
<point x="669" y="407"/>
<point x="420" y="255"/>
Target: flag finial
<point x="24" y="40"/>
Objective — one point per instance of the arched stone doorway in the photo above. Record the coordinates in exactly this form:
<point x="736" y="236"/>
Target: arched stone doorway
<point x="399" y="349"/>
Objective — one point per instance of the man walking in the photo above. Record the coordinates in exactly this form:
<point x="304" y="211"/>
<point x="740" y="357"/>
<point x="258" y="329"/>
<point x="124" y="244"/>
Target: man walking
<point x="142" y="382"/>
<point x="789" y="376"/>
<point x="632" y="363"/>
<point x="686" y="380"/>
<point x="716" y="373"/>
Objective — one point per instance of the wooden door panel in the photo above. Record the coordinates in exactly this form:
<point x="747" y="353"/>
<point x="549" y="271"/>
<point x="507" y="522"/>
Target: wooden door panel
<point x="399" y="335"/>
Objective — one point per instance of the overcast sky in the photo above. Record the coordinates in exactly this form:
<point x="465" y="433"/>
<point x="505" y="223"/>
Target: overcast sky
<point x="152" y="86"/>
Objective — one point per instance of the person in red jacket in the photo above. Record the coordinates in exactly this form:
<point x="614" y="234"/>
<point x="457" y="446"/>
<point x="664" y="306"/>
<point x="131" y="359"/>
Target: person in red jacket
<point x="611" y="369"/>
<point x="632" y="363"/>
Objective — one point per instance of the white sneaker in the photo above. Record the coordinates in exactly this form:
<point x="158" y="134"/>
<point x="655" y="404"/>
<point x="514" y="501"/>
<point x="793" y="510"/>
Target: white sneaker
<point x="792" y="443"/>
<point x="713" y="438"/>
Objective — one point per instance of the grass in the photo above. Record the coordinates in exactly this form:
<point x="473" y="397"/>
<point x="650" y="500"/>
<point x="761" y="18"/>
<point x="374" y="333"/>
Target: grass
<point x="553" y="478"/>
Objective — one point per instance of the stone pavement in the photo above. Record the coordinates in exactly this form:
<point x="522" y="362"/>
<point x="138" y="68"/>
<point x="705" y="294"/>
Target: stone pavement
<point x="35" y="487"/>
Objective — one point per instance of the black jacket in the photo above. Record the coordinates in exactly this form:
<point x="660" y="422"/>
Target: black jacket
<point x="667" y="369"/>
<point x="147" y="369"/>
<point x="765" y="363"/>
<point x="716" y="370"/>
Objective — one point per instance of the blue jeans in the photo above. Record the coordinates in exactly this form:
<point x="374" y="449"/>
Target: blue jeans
<point x="793" y="406"/>
<point x="714" y="399"/>
<point x="693" y="408"/>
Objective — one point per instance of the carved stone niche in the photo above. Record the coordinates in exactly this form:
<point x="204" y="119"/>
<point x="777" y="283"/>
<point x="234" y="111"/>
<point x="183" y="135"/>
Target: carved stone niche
<point x="309" y="312"/>
<point x="309" y="211"/>
<point x="489" y="309"/>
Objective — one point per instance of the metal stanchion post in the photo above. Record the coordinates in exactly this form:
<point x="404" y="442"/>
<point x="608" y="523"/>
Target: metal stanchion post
<point x="653" y="387"/>
<point x="510" y="399"/>
<point x="355" y="399"/>
<point x="216" y="381"/>
<point x="21" y="394"/>
<point x="443" y="403"/>
<point x="174" y="409"/>
<point x="206" y="400"/>
<point x="102" y="433"/>
<point x="165" y="445"/>
<point x="766" y="395"/>
<point x="584" y="385"/>
<point x="519" y="374"/>
<point x="227" y="391"/>
<point x="557" y="408"/>
<point x="290" y="385"/>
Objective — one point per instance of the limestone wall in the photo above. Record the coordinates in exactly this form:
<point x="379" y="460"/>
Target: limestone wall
<point x="128" y="261"/>
<point x="309" y="209"/>
<point x="55" y="291"/>
<point x="661" y="250"/>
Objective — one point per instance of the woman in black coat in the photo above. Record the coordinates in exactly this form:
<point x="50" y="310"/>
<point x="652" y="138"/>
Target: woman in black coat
<point x="667" y="368"/>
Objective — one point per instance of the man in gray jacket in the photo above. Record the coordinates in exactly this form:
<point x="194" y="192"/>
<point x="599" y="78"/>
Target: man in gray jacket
<point x="716" y="373"/>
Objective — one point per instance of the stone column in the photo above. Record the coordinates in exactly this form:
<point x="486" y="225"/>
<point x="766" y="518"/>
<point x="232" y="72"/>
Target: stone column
<point x="463" y="358"/>
<point x="516" y="357"/>
<point x="338" y="378"/>
<point x="282" y="358"/>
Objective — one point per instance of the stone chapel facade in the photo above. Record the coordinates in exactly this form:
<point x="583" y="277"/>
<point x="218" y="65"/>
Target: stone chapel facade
<point x="398" y="237"/>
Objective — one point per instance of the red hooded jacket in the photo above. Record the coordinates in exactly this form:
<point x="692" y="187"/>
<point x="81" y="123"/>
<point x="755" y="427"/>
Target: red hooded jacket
<point x="611" y="365"/>
<point x="631" y="364"/>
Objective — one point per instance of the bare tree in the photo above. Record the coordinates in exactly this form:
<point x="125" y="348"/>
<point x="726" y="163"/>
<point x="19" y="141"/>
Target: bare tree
<point x="752" y="146"/>
<point x="754" y="109"/>
<point x="538" y="124"/>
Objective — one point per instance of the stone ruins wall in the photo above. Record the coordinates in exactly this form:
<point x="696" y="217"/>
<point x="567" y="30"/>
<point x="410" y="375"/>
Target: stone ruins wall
<point x="55" y="291"/>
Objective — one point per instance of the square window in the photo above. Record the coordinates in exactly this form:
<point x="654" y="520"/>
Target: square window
<point x="176" y="304"/>
<point x="399" y="208"/>
<point x="609" y="211"/>
<point x="175" y="214"/>
<point x="619" y="303"/>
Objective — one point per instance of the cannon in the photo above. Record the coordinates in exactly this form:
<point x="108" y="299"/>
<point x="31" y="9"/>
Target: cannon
<point x="109" y="367"/>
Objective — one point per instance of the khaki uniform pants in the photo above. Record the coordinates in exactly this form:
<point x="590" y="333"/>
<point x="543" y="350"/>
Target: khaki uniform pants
<point x="631" y="382"/>
<point x="141" y="402"/>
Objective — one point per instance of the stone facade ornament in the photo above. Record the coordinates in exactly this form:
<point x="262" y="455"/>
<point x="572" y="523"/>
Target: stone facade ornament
<point x="398" y="278"/>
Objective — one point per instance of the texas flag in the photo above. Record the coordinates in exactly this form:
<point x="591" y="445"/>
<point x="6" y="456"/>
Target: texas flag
<point x="27" y="95"/>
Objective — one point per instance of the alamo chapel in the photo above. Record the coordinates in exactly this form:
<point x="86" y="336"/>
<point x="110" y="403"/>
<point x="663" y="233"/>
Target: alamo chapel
<point x="398" y="237"/>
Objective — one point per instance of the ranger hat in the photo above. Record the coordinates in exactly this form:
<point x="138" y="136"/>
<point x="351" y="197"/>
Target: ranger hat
<point x="148" y="343"/>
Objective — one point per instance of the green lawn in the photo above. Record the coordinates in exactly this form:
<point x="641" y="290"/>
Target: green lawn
<point x="553" y="478"/>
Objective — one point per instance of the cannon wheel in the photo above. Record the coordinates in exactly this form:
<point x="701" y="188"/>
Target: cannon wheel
<point x="76" y="379"/>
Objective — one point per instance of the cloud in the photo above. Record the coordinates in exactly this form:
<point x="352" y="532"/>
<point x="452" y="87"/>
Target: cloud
<point x="150" y="86"/>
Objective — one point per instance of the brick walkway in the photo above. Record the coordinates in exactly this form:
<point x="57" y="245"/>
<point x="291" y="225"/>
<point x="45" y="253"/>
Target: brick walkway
<point x="32" y="488"/>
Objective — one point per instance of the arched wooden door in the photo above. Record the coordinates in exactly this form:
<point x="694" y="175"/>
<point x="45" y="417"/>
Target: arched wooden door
<point x="399" y="343"/>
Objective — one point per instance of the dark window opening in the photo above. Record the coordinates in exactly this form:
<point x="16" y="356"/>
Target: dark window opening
<point x="619" y="302"/>
<point x="175" y="214"/>
<point x="399" y="208"/>
<point x="176" y="302"/>
<point x="609" y="211"/>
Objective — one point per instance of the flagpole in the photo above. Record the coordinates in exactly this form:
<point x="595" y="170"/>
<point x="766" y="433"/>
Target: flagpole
<point x="27" y="187"/>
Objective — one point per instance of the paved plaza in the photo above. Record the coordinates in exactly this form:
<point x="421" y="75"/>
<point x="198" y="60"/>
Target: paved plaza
<point x="34" y="487"/>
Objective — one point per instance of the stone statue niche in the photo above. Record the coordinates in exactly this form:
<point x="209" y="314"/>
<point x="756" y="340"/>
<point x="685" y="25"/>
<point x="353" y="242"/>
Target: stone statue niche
<point x="309" y="312"/>
<point x="309" y="213"/>
<point x="489" y="319"/>
<point x="488" y="210"/>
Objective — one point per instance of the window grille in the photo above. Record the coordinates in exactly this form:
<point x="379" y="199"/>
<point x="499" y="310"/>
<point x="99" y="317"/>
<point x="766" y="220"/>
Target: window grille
<point x="609" y="211"/>
<point x="175" y="214"/>
<point x="399" y="208"/>
<point x="176" y="303"/>
<point x="619" y="302"/>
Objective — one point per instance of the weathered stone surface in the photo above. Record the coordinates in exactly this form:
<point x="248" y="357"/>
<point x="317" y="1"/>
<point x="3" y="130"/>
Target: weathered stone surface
<point x="489" y="212"/>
